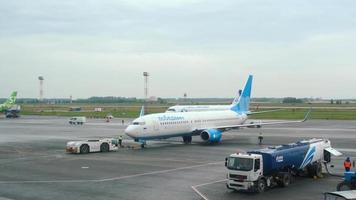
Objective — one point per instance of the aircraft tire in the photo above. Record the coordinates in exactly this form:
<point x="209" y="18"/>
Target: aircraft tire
<point x="187" y="139"/>
<point x="104" y="147"/>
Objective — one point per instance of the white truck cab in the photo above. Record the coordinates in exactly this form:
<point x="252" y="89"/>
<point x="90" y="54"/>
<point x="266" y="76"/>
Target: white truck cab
<point x="244" y="170"/>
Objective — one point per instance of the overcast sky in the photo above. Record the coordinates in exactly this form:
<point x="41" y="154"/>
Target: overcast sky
<point x="304" y="48"/>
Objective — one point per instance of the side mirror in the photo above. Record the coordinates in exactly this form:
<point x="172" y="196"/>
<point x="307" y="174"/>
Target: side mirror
<point x="226" y="162"/>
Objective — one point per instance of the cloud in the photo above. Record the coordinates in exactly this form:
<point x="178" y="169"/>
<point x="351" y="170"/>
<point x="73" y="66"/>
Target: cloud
<point x="204" y="48"/>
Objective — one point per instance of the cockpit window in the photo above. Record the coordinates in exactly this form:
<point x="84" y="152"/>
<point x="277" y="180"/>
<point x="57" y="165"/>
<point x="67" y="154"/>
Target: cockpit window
<point x="138" y="123"/>
<point x="240" y="164"/>
<point x="171" y="110"/>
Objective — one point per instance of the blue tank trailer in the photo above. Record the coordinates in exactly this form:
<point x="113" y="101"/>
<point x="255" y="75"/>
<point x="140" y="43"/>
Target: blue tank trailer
<point x="258" y="170"/>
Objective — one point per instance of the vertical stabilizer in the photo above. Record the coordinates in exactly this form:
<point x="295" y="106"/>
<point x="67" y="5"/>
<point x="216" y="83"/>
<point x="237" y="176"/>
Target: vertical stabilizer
<point x="236" y="98"/>
<point x="243" y="104"/>
<point x="12" y="99"/>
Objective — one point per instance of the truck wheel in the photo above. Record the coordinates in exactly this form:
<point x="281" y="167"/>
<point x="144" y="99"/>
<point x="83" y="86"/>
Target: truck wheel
<point x="261" y="185"/>
<point x="104" y="147"/>
<point x="343" y="186"/>
<point x="312" y="170"/>
<point x="286" y="179"/>
<point x="84" y="148"/>
<point x="319" y="170"/>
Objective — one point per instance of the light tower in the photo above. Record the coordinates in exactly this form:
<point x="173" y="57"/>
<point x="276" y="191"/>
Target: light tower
<point x="41" y="79"/>
<point x="145" y="75"/>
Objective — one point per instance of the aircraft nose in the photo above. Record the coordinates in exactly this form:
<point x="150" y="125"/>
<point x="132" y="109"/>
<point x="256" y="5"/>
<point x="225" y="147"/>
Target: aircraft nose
<point x="130" y="131"/>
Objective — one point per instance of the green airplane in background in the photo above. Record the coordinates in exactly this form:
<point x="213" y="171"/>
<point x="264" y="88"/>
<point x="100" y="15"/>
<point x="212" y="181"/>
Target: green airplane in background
<point x="9" y="102"/>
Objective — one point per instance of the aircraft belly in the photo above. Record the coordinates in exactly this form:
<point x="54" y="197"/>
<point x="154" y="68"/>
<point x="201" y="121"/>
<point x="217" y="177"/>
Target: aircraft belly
<point x="167" y="133"/>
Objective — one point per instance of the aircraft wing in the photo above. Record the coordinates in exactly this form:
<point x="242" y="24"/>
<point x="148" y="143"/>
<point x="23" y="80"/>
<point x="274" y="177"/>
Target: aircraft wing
<point x="266" y="123"/>
<point x="265" y="111"/>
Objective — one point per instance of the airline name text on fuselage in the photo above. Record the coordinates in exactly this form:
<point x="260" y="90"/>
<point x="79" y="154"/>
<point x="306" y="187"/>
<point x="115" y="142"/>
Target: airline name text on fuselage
<point x="170" y="118"/>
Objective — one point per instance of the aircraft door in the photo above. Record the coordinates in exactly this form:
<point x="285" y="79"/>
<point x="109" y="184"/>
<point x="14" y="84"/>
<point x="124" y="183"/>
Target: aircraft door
<point x="257" y="169"/>
<point x="155" y="125"/>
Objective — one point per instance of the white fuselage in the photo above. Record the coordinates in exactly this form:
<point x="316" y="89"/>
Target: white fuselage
<point x="197" y="108"/>
<point x="166" y="125"/>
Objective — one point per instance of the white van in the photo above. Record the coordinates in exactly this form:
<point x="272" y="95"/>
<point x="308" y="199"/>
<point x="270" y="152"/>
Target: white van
<point x="77" y="120"/>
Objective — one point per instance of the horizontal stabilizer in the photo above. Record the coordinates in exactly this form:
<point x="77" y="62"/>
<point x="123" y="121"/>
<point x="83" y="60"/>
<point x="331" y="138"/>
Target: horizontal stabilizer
<point x="306" y="117"/>
<point x="264" y="111"/>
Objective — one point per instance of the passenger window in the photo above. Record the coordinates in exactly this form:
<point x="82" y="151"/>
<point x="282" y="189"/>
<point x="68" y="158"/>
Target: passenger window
<point x="257" y="165"/>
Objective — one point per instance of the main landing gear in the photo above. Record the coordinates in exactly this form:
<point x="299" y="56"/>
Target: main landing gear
<point x="187" y="139"/>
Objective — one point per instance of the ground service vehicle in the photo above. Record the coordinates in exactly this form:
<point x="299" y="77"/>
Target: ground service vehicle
<point x="102" y="145"/>
<point x="349" y="182"/>
<point x="77" y="120"/>
<point x="258" y="170"/>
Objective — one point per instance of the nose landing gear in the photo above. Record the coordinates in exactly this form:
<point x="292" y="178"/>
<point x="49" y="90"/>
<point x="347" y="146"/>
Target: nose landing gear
<point x="143" y="144"/>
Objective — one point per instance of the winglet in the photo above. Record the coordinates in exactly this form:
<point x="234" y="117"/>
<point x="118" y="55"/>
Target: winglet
<point x="243" y="104"/>
<point x="142" y="112"/>
<point x="307" y="116"/>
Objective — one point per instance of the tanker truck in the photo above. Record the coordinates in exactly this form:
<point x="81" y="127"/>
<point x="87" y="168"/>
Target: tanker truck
<point x="258" y="170"/>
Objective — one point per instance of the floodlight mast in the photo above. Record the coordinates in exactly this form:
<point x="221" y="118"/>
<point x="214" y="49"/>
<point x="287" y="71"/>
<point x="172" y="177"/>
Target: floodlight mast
<point x="41" y="79"/>
<point x="145" y="75"/>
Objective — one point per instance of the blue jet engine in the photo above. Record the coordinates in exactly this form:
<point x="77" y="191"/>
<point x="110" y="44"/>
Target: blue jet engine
<point x="211" y="135"/>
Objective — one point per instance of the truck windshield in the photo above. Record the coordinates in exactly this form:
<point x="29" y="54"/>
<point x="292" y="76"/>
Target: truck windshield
<point x="241" y="164"/>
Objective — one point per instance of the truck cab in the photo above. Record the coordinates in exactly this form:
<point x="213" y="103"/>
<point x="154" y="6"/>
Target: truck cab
<point x="244" y="171"/>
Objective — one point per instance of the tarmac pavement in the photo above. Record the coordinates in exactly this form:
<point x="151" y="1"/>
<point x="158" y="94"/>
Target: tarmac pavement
<point x="34" y="165"/>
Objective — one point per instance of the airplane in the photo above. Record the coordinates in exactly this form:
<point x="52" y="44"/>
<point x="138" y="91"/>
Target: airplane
<point x="195" y="108"/>
<point x="9" y="102"/>
<point x="209" y="125"/>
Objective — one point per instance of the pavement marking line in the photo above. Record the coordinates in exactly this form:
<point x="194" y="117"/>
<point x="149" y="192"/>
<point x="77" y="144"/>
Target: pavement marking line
<point x="199" y="193"/>
<point x="157" y="172"/>
<point x="110" y="179"/>
<point x="194" y="187"/>
<point x="346" y="150"/>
